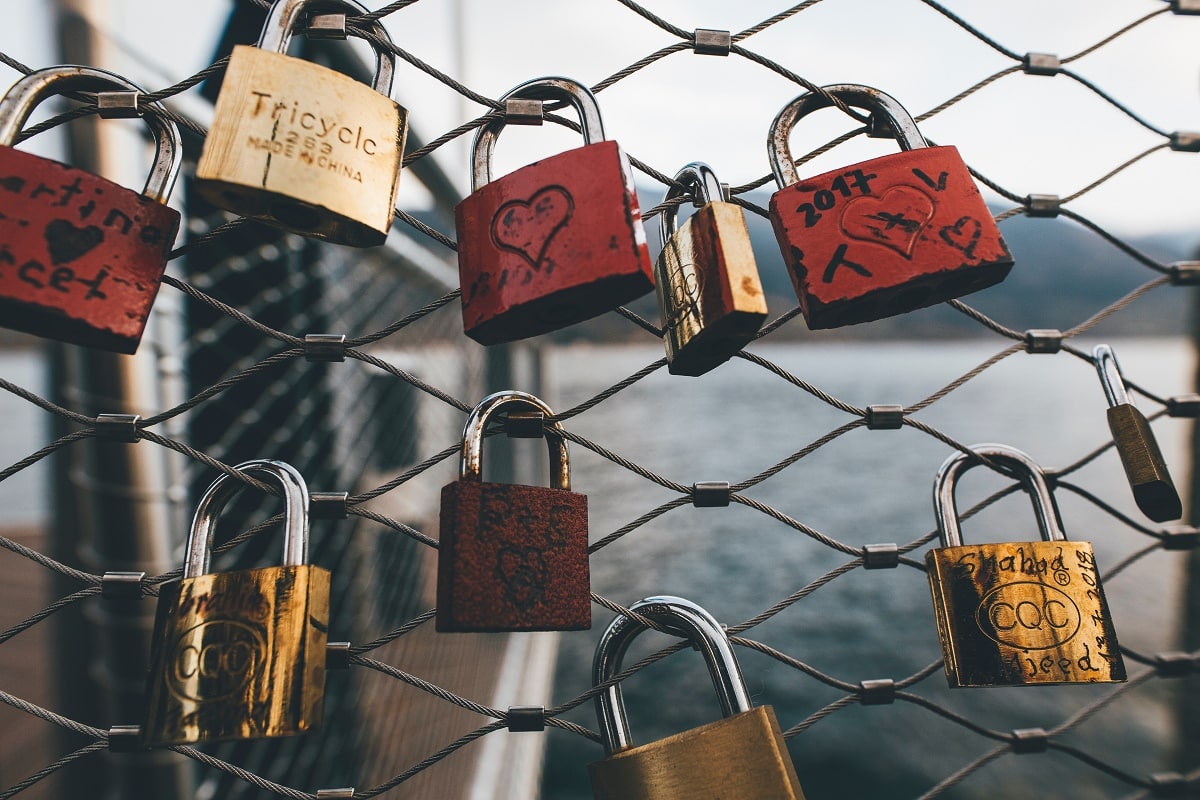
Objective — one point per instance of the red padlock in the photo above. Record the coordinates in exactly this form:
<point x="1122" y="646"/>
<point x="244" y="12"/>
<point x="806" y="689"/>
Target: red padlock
<point x="81" y="258"/>
<point x="512" y="557"/>
<point x="555" y="242"/>
<point x="885" y="236"/>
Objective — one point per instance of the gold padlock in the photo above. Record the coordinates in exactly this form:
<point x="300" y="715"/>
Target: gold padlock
<point x="1153" y="490"/>
<point x="302" y="146"/>
<point x="1020" y="613"/>
<point x="709" y="293"/>
<point x="240" y="655"/>
<point x="741" y="756"/>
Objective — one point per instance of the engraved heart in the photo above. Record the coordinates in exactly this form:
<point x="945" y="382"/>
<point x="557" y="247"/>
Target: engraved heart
<point x="67" y="243"/>
<point x="527" y="228"/>
<point x="895" y="219"/>
<point x="962" y="235"/>
<point x="523" y="573"/>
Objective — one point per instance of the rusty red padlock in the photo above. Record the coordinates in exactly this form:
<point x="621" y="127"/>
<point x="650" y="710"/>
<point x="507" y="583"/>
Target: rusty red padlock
<point x="81" y="257"/>
<point x="555" y="242"/>
<point x="513" y="557"/>
<point x="884" y="236"/>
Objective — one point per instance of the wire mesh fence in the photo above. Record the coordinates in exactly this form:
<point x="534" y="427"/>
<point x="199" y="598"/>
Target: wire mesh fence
<point x="816" y="565"/>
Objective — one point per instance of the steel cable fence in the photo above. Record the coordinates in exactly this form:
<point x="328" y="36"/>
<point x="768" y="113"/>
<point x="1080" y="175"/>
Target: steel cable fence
<point x="380" y="422"/>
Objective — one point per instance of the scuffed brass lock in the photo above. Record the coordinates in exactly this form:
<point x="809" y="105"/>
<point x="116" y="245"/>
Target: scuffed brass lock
<point x="1153" y="490"/>
<point x="240" y="655"/>
<point x="1018" y="613"/>
<point x="742" y="755"/>
<point x="709" y="293"/>
<point x="302" y="146"/>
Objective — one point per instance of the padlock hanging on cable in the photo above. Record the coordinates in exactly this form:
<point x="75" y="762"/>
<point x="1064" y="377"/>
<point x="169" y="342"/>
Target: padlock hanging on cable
<point x="512" y="557"/>
<point x="305" y="147"/>
<point x="884" y="236"/>
<point x="240" y="655"/>
<point x="555" y="242"/>
<point x="742" y="755"/>
<point x="1018" y="613"/>
<point x="85" y="255"/>
<point x="1146" y="469"/>
<point x="709" y="293"/>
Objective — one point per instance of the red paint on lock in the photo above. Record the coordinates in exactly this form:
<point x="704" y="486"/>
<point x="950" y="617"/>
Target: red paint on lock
<point x="81" y="258"/>
<point x="887" y="236"/>
<point x="551" y="244"/>
<point x="512" y="558"/>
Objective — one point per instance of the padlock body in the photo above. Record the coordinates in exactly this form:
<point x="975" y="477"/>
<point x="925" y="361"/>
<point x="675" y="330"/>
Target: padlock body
<point x="742" y="757"/>
<point x="1023" y="613"/>
<point x="887" y="236"/>
<point x="304" y="148"/>
<point x="709" y="294"/>
<point x="551" y="244"/>
<point x="512" y="558"/>
<point x="1144" y="464"/>
<point x="81" y="258"/>
<point x="238" y="655"/>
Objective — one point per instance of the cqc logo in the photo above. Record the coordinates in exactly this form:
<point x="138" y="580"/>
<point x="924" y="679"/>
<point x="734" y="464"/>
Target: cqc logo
<point x="214" y="660"/>
<point x="1028" y="615"/>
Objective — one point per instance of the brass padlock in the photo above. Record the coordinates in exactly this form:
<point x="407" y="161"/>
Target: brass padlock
<point x="240" y="655"/>
<point x="1019" y="613"/>
<point x="1153" y="490"/>
<point x="302" y="146"/>
<point x="741" y="756"/>
<point x="709" y="293"/>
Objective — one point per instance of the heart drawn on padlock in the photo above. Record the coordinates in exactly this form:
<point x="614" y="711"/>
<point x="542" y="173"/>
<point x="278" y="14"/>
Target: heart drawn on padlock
<point x="67" y="242"/>
<point x="522" y="570"/>
<point x="962" y="235"/>
<point x="528" y="227"/>
<point x="895" y="219"/>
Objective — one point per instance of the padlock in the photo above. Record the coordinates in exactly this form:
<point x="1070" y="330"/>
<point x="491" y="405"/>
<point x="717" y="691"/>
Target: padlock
<point x="552" y="243"/>
<point x="81" y="257"/>
<point x="240" y="655"/>
<point x="1153" y="490"/>
<point x="884" y="236"/>
<point x="301" y="146"/>
<point x="512" y="557"/>
<point x="709" y="294"/>
<point x="742" y="755"/>
<point x="1019" y="613"/>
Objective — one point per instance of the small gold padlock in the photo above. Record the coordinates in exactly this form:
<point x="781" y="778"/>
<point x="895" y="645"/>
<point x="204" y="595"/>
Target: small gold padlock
<point x="1020" y="613"/>
<point x="741" y="756"/>
<point x="240" y="655"/>
<point x="1153" y="490"/>
<point x="302" y="146"/>
<point x="709" y="293"/>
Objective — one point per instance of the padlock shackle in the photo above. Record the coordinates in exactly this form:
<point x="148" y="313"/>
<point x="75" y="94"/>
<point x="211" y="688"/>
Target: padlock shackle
<point x="28" y="92"/>
<point x="285" y="15"/>
<point x="783" y="167"/>
<point x="1022" y="467"/>
<point x="552" y="88"/>
<point x="1110" y="376"/>
<point x="682" y="618"/>
<point x="698" y="178"/>
<point x="471" y="460"/>
<point x="295" y="522"/>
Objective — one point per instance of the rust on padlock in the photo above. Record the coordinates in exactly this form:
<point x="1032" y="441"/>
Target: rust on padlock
<point x="81" y="257"/>
<point x="884" y="236"/>
<point x="512" y="562"/>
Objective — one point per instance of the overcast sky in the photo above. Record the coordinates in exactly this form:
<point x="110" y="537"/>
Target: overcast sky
<point x="1029" y="134"/>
